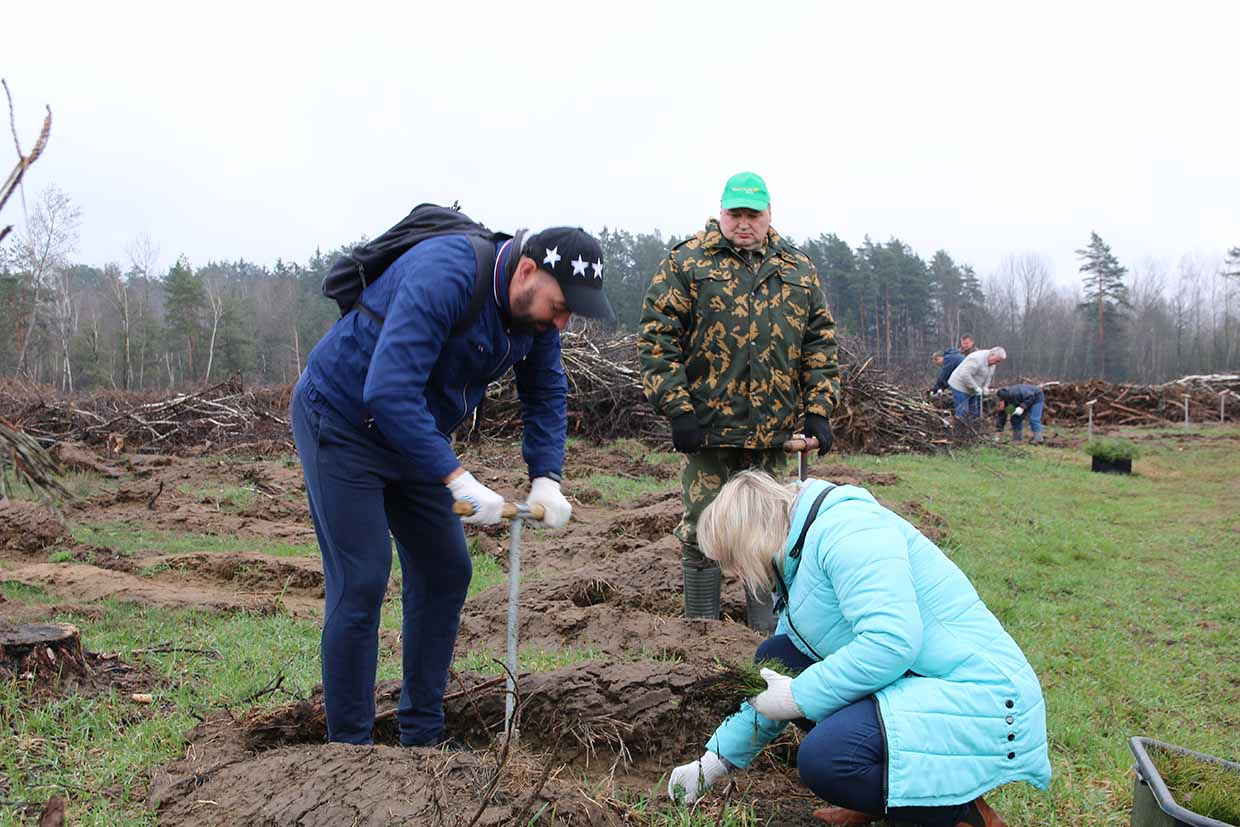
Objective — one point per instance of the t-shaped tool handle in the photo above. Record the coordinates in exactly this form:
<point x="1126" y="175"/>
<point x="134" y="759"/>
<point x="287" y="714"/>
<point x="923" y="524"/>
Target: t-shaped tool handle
<point x="801" y="446"/>
<point x="463" y="508"/>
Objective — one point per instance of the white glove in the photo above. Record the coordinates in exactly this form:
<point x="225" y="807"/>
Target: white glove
<point x="689" y="781"/>
<point x="488" y="506"/>
<point x="1020" y="409"/>
<point x="545" y="491"/>
<point x="776" y="701"/>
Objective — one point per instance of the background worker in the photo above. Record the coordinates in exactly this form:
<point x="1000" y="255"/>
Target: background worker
<point x="946" y="361"/>
<point x="971" y="380"/>
<point x="1023" y="401"/>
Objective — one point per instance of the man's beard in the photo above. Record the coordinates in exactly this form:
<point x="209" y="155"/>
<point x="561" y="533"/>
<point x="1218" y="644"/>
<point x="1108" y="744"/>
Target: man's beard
<point x="522" y="323"/>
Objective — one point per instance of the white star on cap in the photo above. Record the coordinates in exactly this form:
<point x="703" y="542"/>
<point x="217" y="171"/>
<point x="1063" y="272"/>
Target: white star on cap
<point x="553" y="256"/>
<point x="579" y="265"/>
<point x="598" y="269"/>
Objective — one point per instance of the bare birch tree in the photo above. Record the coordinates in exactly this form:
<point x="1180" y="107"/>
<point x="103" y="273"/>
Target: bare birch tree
<point x="41" y="256"/>
<point x="214" y="288"/>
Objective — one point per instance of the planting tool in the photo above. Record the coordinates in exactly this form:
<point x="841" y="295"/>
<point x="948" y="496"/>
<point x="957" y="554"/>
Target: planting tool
<point x="760" y="608"/>
<point x="801" y="446"/>
<point x="518" y="513"/>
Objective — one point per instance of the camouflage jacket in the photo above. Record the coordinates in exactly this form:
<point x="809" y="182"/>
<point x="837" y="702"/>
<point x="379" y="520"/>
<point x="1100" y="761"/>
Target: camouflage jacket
<point x="747" y="351"/>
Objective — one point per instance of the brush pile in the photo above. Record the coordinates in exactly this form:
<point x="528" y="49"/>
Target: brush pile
<point x="222" y="416"/>
<point x="1067" y="402"/>
<point x="606" y="402"/>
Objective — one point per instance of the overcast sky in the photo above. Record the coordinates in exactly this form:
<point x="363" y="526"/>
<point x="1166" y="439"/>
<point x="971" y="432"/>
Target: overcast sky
<point x="261" y="130"/>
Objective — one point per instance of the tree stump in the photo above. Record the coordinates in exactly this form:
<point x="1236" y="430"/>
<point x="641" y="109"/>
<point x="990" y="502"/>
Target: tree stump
<point x="47" y="655"/>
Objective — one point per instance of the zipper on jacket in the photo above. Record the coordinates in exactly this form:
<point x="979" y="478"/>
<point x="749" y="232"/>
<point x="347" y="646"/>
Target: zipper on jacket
<point x="882" y="730"/>
<point x="491" y="378"/>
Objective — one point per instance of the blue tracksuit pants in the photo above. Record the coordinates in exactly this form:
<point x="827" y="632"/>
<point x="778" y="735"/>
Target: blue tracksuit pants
<point x="843" y="758"/>
<point x="362" y="495"/>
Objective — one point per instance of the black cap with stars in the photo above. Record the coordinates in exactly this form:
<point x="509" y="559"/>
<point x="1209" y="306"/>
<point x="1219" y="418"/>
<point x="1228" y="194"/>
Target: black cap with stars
<point x="575" y="258"/>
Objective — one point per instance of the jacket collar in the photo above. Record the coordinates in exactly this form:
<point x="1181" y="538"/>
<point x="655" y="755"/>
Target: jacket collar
<point x="505" y="262"/>
<point x="712" y="239"/>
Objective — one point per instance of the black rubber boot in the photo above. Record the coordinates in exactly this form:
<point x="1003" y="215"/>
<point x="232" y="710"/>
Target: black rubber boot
<point x="760" y="611"/>
<point x="702" y="584"/>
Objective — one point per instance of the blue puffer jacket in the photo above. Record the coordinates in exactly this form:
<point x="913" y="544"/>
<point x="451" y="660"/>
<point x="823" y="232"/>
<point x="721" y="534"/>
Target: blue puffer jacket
<point x="418" y="382"/>
<point x="890" y="616"/>
<point x="951" y="360"/>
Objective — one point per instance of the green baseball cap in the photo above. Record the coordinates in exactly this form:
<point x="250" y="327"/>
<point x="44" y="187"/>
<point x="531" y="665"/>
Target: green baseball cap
<point x="745" y="190"/>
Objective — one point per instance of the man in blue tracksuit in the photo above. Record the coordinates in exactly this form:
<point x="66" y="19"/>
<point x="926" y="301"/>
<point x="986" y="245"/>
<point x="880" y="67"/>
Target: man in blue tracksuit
<point x="946" y="361"/>
<point x="372" y="417"/>
<point x="1021" y="401"/>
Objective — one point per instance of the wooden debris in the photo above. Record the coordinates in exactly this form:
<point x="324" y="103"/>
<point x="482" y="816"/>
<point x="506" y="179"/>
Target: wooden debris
<point x="605" y="402"/>
<point x="219" y="417"/>
<point x="1140" y="404"/>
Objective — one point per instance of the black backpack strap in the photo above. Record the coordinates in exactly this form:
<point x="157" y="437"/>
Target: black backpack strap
<point x="484" y="258"/>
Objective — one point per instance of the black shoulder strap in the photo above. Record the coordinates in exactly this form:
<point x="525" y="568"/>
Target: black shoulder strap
<point x="795" y="552"/>
<point x="484" y="256"/>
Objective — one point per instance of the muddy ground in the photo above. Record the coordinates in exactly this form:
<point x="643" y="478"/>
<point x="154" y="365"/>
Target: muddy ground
<point x="596" y="737"/>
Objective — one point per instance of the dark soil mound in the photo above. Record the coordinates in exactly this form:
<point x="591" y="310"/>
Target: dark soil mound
<point x="29" y="527"/>
<point x="253" y="571"/>
<point x="338" y="784"/>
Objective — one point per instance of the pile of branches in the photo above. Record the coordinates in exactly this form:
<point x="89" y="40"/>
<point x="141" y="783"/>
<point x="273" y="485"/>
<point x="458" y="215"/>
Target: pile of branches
<point x="605" y="398"/>
<point x="1067" y="402"/>
<point x="30" y="464"/>
<point x="225" y="416"/>
<point x="606" y="402"/>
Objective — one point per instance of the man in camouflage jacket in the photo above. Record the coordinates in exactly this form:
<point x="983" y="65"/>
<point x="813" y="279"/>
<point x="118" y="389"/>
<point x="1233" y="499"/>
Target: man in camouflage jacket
<point x="737" y="350"/>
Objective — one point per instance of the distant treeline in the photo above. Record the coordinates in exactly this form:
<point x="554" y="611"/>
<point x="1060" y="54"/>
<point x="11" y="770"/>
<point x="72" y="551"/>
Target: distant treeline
<point x="125" y="325"/>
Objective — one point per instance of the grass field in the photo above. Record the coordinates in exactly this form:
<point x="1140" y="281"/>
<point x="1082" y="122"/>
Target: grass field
<point x="1123" y="591"/>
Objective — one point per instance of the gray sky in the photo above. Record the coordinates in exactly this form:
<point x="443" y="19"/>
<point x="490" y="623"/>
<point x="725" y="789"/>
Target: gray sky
<point x="260" y="130"/>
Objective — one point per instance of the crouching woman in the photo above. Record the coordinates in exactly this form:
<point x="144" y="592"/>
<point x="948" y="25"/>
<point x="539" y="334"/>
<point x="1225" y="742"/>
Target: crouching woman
<point x="915" y="700"/>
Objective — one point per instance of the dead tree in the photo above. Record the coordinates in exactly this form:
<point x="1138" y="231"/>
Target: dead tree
<point x="23" y="161"/>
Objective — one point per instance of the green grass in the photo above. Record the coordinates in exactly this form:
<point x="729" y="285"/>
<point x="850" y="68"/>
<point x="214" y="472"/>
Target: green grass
<point x="82" y="484"/>
<point x="229" y="498"/>
<point x="487" y="571"/>
<point x="1207" y="789"/>
<point x="615" y="490"/>
<point x="1121" y="591"/>
<point x="100" y="750"/>
<point x="528" y="660"/>
<point x="126" y="539"/>
<point x="637" y="450"/>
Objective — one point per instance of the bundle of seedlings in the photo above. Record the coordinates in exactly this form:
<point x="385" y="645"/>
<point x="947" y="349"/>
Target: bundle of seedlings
<point x="1112" y="450"/>
<point x="735" y="681"/>
<point x="1206" y="788"/>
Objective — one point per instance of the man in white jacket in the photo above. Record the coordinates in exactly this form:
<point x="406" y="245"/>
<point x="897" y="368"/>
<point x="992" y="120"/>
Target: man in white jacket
<point x="971" y="379"/>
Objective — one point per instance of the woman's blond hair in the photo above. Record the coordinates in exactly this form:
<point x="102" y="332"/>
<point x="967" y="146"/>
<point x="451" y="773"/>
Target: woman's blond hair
<point x="746" y="528"/>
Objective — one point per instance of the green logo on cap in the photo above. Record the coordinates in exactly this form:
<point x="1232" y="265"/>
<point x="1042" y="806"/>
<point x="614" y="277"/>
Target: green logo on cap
<point x="745" y="190"/>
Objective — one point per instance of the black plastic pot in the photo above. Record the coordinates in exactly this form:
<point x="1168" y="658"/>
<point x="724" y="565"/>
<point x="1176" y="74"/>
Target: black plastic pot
<point x="1112" y="466"/>
<point x="1152" y="804"/>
